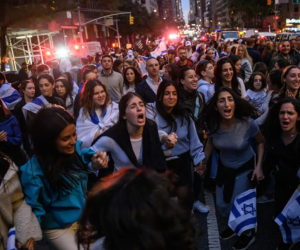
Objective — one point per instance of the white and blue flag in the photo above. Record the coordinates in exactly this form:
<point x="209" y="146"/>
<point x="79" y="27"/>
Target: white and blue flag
<point x="243" y="213"/>
<point x="161" y="49"/>
<point x="289" y="219"/>
<point x="9" y="96"/>
<point x="11" y="239"/>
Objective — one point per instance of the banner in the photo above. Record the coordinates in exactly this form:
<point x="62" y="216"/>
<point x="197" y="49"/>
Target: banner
<point x="140" y="45"/>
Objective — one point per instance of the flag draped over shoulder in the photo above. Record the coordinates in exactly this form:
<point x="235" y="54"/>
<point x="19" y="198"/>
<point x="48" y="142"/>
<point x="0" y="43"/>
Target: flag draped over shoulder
<point x="11" y="239"/>
<point x="243" y="212"/>
<point x="289" y="219"/>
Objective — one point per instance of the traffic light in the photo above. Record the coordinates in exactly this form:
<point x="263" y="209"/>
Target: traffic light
<point x="269" y="2"/>
<point x="131" y="20"/>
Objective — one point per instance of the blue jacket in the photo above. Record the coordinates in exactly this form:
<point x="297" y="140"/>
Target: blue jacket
<point x="53" y="211"/>
<point x="14" y="135"/>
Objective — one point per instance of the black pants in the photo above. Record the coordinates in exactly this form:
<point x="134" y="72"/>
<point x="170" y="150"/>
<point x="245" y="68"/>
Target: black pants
<point x="182" y="167"/>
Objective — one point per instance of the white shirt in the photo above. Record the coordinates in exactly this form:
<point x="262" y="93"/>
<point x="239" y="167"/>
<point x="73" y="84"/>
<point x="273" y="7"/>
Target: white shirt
<point x="130" y="89"/>
<point x="152" y="84"/>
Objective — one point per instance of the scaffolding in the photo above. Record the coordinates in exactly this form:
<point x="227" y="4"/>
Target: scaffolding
<point x="28" y="45"/>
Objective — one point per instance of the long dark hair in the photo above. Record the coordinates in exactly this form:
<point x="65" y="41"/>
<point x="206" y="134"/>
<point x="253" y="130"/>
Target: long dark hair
<point x="116" y="64"/>
<point x="177" y="111"/>
<point x="69" y="89"/>
<point x="69" y="78"/>
<point x="273" y="128"/>
<point x="150" y="218"/>
<point x="123" y="105"/>
<point x="138" y="77"/>
<point x="243" y="109"/>
<point x="218" y="75"/>
<point x="59" y="169"/>
<point x="47" y="77"/>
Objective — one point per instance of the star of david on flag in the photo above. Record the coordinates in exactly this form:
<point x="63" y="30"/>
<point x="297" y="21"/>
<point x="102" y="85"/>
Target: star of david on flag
<point x="243" y="212"/>
<point x="289" y="219"/>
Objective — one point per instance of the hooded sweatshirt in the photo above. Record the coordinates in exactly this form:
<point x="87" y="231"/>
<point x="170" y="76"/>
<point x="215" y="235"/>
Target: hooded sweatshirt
<point x="203" y="86"/>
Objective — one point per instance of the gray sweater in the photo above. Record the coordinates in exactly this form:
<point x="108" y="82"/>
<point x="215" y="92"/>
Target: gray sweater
<point x="114" y="84"/>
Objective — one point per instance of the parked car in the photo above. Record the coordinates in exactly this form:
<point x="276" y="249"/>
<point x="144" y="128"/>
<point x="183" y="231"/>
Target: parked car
<point x="13" y="78"/>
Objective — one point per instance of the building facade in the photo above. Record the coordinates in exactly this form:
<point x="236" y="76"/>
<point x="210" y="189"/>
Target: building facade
<point x="150" y="5"/>
<point x="196" y="13"/>
<point x="223" y="19"/>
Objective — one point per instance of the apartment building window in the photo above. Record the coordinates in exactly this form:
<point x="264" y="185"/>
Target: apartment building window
<point x="296" y="8"/>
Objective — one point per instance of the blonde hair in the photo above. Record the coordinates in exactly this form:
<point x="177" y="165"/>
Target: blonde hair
<point x="245" y="53"/>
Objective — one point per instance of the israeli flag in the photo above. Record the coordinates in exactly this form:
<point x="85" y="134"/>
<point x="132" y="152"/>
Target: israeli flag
<point x="9" y="96"/>
<point x="161" y="49"/>
<point x="289" y="219"/>
<point x="11" y="239"/>
<point x="243" y="213"/>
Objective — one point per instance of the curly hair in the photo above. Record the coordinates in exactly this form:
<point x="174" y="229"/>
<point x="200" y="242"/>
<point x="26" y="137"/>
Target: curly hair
<point x="243" y="109"/>
<point x="87" y="97"/>
<point x="134" y="209"/>
<point x="138" y="77"/>
<point x="251" y="80"/>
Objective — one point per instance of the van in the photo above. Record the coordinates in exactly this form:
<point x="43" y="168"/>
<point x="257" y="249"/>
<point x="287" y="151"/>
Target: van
<point x="283" y="36"/>
<point x="267" y="35"/>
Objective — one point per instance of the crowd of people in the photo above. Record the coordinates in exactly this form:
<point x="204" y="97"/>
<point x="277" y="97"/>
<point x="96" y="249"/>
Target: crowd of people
<point x="113" y="152"/>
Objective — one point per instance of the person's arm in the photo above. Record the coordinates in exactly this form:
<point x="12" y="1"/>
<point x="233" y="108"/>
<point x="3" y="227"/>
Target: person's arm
<point x="260" y="142"/>
<point x="16" y="138"/>
<point x="196" y="147"/>
<point x="34" y="191"/>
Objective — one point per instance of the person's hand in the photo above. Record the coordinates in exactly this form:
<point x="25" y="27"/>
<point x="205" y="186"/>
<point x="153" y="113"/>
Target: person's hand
<point x="200" y="168"/>
<point x="204" y="134"/>
<point x="30" y="243"/>
<point x="99" y="160"/>
<point x="258" y="174"/>
<point x="289" y="94"/>
<point x="3" y="136"/>
<point x="170" y="140"/>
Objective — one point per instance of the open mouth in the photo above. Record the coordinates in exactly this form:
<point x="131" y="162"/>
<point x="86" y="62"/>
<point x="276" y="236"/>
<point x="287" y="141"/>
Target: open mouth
<point x="227" y="111"/>
<point x="285" y="124"/>
<point x="141" y="117"/>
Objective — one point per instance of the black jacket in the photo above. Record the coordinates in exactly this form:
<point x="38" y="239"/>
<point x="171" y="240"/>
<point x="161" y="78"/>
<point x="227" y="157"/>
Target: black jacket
<point x="255" y="55"/>
<point x="145" y="92"/>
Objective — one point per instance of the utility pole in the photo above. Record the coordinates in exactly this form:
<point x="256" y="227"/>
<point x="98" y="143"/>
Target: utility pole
<point x="275" y="15"/>
<point x="118" y="33"/>
<point x="79" y="23"/>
